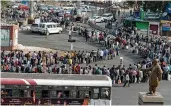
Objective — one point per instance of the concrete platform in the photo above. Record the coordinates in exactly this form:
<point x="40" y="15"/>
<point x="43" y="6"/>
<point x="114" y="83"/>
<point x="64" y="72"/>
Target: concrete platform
<point x="144" y="99"/>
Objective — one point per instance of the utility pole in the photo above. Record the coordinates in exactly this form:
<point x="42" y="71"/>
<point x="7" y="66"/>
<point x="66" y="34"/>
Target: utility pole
<point x="31" y="5"/>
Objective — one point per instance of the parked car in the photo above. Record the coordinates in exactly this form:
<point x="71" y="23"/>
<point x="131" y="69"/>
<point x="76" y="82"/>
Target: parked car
<point x="96" y="19"/>
<point x="107" y="16"/>
<point x="35" y="28"/>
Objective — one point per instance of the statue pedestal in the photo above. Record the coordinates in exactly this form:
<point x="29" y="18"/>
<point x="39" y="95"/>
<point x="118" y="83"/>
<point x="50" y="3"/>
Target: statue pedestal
<point x="144" y="99"/>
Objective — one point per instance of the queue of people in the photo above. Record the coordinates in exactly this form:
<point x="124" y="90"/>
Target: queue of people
<point x="149" y="47"/>
<point x="14" y="61"/>
<point x="42" y="62"/>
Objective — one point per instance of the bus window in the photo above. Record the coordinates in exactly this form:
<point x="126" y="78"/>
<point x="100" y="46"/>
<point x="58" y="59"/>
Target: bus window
<point x="73" y="94"/>
<point x="65" y="94"/>
<point x="105" y="93"/>
<point x="21" y="93"/>
<point x="6" y="92"/>
<point x="95" y="93"/>
<point x="17" y="93"/>
<point x="38" y="93"/>
<point x="28" y="93"/>
<point x="59" y="94"/>
<point x="84" y="94"/>
<point x="80" y="94"/>
<point x="53" y="93"/>
<point x="45" y="94"/>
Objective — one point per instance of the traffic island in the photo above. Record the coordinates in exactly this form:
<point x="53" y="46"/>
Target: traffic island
<point x="145" y="99"/>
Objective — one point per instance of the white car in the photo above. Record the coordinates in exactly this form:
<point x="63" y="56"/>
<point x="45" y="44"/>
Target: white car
<point x="35" y="28"/>
<point x="50" y="28"/>
<point x="107" y="16"/>
<point x="96" y="19"/>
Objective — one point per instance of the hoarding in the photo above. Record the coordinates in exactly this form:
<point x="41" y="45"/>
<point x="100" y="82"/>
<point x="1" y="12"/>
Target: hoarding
<point x="5" y="37"/>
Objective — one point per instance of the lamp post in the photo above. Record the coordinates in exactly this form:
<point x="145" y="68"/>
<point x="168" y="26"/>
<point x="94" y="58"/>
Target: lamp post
<point x="31" y="9"/>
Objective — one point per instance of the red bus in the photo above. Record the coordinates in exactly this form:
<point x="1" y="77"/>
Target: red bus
<point x="52" y="89"/>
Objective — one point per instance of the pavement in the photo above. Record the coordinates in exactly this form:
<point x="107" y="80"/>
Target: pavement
<point x="129" y="95"/>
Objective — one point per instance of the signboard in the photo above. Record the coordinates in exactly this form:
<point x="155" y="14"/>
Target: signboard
<point x="5" y="37"/>
<point x="25" y="2"/>
<point x="166" y="26"/>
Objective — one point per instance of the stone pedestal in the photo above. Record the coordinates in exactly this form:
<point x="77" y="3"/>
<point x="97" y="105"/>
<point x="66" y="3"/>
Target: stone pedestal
<point x="144" y="99"/>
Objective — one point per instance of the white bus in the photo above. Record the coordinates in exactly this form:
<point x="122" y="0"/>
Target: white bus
<point x="52" y="89"/>
<point x="49" y="28"/>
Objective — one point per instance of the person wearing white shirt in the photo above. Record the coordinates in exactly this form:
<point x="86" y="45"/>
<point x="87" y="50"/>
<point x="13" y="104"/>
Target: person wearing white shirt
<point x="70" y="31"/>
<point x="144" y="66"/>
<point x="126" y="80"/>
<point x="81" y="70"/>
<point x="97" y="35"/>
<point x="60" y="70"/>
<point x="101" y="54"/>
<point x="108" y="72"/>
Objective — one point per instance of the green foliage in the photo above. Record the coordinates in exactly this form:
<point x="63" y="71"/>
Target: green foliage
<point x="152" y="5"/>
<point x="4" y="4"/>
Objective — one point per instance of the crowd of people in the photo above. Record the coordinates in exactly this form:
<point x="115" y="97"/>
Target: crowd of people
<point x="42" y="62"/>
<point x="149" y="47"/>
<point x="79" y="62"/>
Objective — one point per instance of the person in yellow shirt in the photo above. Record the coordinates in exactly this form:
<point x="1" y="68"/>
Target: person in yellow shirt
<point x="70" y="61"/>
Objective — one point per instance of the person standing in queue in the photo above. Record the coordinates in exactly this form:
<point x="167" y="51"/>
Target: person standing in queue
<point x="86" y="35"/>
<point x="70" y="31"/>
<point x="126" y="80"/>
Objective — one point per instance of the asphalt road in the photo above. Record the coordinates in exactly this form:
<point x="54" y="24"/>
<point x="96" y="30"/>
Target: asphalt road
<point x="60" y="42"/>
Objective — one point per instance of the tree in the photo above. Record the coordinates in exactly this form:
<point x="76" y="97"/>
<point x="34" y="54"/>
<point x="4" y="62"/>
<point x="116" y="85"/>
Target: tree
<point x="4" y="4"/>
<point x="151" y="5"/>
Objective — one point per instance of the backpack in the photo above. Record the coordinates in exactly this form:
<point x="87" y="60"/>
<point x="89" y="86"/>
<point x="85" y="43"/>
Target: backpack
<point x="64" y="61"/>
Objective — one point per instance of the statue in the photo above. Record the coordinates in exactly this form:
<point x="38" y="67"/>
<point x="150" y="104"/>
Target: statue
<point x="155" y="76"/>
